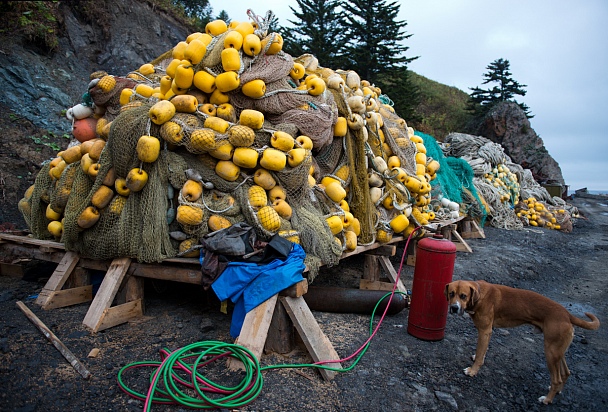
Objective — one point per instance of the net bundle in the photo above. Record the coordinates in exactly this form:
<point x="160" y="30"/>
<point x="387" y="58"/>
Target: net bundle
<point x="207" y="158"/>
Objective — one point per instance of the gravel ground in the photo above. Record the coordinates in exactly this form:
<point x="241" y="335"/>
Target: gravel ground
<point x="398" y="372"/>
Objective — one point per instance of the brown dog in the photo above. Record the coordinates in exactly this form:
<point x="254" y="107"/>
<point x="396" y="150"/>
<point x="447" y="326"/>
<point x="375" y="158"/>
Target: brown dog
<point x="503" y="307"/>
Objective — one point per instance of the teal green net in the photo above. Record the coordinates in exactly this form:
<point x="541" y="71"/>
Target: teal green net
<point x="454" y="179"/>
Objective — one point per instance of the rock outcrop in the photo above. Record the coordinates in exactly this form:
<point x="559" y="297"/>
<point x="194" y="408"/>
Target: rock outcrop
<point x="38" y="85"/>
<point x="508" y="125"/>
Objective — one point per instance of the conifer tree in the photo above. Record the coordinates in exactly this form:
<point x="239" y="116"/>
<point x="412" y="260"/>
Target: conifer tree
<point x="504" y="89"/>
<point x="318" y="30"/>
<point x="224" y="16"/>
<point x="376" y="51"/>
<point x="196" y="9"/>
<point x="376" y="37"/>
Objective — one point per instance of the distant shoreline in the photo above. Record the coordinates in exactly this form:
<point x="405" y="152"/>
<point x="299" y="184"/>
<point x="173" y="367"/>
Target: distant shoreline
<point x="597" y="192"/>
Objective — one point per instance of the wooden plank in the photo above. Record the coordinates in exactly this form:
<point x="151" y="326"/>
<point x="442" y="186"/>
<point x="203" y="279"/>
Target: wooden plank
<point x="134" y="289"/>
<point x="371" y="270"/>
<point x="384" y="250"/>
<point x="297" y="290"/>
<point x="318" y="345"/>
<point x="167" y="272"/>
<point x="365" y="248"/>
<point x="58" y="278"/>
<point x="76" y="364"/>
<point x="68" y="297"/>
<point x="281" y="333"/>
<point x="106" y="293"/>
<point x="461" y="245"/>
<point x="120" y="314"/>
<point x="481" y="234"/>
<point x="11" y="270"/>
<point x="255" y="330"/>
<point x="411" y="253"/>
<point x="375" y="285"/>
<point x="32" y="241"/>
<point x="391" y="272"/>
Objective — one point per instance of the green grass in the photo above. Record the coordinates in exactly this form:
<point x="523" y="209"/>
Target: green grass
<point x="442" y="108"/>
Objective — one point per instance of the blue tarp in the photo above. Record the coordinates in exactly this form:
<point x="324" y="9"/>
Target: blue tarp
<point x="249" y="284"/>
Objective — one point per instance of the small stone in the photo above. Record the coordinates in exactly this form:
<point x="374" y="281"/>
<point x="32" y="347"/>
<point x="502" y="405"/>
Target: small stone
<point x="447" y="398"/>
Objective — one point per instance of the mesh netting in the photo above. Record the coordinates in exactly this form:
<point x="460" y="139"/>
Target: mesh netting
<point x="34" y="208"/>
<point x="360" y="201"/>
<point x="206" y="168"/>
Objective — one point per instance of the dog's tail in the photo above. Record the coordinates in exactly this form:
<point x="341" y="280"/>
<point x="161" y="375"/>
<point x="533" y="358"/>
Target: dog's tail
<point x="593" y="325"/>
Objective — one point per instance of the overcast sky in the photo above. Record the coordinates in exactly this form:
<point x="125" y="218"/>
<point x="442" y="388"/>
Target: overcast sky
<point x="558" y="48"/>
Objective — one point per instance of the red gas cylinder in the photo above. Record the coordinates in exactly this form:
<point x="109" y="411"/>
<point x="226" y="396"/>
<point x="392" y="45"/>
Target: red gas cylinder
<point x="434" y="269"/>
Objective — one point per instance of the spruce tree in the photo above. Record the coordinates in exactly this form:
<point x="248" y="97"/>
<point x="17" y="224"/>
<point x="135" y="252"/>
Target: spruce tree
<point x="224" y="16"/>
<point x="377" y="53"/>
<point x="505" y="89"/>
<point x="318" y="30"/>
<point x="196" y="9"/>
<point x="376" y="37"/>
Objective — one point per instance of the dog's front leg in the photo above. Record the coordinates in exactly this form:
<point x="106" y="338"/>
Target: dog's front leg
<point x="483" y="340"/>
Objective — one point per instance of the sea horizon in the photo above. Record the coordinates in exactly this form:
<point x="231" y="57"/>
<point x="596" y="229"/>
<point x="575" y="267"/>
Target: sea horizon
<point x="597" y="192"/>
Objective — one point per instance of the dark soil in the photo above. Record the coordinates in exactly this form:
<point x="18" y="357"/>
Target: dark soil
<point x="398" y="372"/>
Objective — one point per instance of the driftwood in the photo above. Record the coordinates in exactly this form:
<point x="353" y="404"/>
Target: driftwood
<point x="76" y="364"/>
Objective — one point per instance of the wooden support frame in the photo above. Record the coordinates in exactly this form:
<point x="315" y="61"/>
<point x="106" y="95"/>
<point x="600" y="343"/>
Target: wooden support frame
<point x="470" y="229"/>
<point x="53" y="296"/>
<point x="461" y="244"/>
<point x="101" y="315"/>
<point x="258" y="322"/>
<point x="318" y="345"/>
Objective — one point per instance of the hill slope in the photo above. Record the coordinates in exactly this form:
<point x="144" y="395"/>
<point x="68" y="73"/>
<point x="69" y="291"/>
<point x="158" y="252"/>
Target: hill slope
<point x="442" y="108"/>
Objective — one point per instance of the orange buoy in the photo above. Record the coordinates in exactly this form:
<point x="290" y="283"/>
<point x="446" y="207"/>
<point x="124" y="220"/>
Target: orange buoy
<point x="84" y="129"/>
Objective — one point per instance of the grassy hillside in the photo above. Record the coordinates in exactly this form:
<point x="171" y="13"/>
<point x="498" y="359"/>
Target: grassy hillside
<point x="442" y="108"/>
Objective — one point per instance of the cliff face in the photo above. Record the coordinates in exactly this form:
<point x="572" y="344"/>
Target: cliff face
<point x="508" y="125"/>
<point x="38" y="85"/>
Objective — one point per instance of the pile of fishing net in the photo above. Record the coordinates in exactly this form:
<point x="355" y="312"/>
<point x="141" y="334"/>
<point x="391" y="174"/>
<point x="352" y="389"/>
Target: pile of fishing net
<point x="226" y="127"/>
<point x="501" y="184"/>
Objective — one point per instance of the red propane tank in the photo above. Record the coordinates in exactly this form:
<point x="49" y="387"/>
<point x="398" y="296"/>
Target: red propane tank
<point x="434" y="269"/>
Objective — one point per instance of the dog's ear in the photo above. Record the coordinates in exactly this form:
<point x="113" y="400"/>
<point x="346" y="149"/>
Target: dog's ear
<point x="446" y="291"/>
<point x="474" y="296"/>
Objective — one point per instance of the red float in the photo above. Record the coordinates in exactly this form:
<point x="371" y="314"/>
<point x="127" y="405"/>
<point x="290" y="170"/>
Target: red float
<point x="84" y="129"/>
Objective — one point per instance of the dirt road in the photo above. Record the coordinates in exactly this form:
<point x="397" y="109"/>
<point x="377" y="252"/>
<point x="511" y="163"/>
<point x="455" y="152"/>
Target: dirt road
<point x="398" y="372"/>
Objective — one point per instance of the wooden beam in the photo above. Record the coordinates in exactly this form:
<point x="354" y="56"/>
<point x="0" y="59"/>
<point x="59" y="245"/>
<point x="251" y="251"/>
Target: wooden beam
<point x="281" y="336"/>
<point x="391" y="272"/>
<point x="120" y="314"/>
<point x="384" y="250"/>
<point x="318" y="345"/>
<point x="371" y="270"/>
<point x="68" y="297"/>
<point x="461" y="244"/>
<point x="76" y="364"/>
<point x="297" y="290"/>
<point x="255" y="330"/>
<point x="106" y="293"/>
<point x="32" y="241"/>
<point x="480" y="233"/>
<point x="59" y="277"/>
<point x="167" y="272"/>
<point x="375" y="285"/>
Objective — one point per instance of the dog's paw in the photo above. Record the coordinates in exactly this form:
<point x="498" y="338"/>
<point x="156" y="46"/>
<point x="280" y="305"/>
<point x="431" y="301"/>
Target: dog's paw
<point x="543" y="400"/>
<point x="470" y="372"/>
